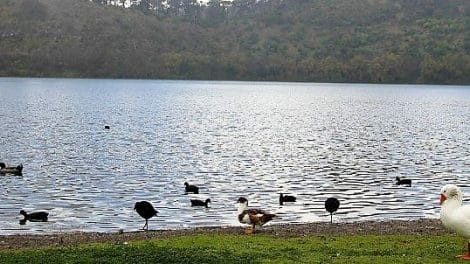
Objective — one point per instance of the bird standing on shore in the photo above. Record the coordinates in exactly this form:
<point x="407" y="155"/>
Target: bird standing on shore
<point x="454" y="215"/>
<point x="331" y="205"/>
<point x="146" y="211"/>
<point x="253" y="217"/>
<point x="191" y="188"/>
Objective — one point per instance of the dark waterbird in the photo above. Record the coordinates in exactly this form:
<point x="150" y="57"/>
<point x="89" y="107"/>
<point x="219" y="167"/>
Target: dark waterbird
<point x="403" y="181"/>
<point x="34" y="217"/>
<point x="196" y="202"/>
<point x="286" y="199"/>
<point x="107" y="127"/>
<point x="146" y="211"/>
<point x="18" y="170"/>
<point x="331" y="205"/>
<point x="191" y="188"/>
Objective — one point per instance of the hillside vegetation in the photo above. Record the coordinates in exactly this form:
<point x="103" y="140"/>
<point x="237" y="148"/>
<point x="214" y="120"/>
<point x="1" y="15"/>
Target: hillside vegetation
<point x="378" y="41"/>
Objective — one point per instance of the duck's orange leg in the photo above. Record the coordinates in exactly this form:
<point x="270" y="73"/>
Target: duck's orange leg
<point x="466" y="256"/>
<point x="250" y="230"/>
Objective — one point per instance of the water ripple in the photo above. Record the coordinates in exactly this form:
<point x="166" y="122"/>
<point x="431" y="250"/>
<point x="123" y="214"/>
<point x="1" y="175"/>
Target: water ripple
<point x="232" y="139"/>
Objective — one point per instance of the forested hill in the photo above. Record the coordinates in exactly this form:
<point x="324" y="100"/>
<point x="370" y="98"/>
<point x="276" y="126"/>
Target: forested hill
<point x="379" y="41"/>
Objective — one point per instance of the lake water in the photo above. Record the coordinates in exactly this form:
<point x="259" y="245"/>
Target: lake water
<point x="252" y="139"/>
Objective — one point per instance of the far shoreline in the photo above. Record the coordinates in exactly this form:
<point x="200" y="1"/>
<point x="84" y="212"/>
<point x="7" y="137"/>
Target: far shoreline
<point x="111" y="78"/>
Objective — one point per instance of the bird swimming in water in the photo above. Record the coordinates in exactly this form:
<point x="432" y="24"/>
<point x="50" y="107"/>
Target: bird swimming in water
<point x="331" y="205"/>
<point x="253" y="217"/>
<point x="18" y="170"/>
<point x="196" y="202"/>
<point x="400" y="181"/>
<point x="286" y="199"/>
<point x="146" y="211"/>
<point x="191" y="188"/>
<point x="34" y="217"/>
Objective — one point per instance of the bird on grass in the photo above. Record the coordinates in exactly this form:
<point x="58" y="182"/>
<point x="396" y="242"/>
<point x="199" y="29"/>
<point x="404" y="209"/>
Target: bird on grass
<point x="33" y="217"/>
<point x="331" y="205"/>
<point x="454" y="215"/>
<point x="196" y="202"/>
<point x="146" y="211"/>
<point x="400" y="181"/>
<point x="286" y="199"/>
<point x="191" y="188"/>
<point x="253" y="217"/>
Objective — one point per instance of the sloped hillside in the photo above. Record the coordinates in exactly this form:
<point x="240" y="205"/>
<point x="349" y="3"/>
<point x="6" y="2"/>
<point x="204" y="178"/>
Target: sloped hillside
<point x="382" y="41"/>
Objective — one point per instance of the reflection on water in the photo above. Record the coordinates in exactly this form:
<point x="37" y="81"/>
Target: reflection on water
<point x="231" y="139"/>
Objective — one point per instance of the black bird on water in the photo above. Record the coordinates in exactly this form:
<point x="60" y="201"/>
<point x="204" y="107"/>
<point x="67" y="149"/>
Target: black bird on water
<point x="146" y="210"/>
<point x="196" y="202"/>
<point x="18" y="170"/>
<point x="33" y="217"/>
<point x="191" y="188"/>
<point x="286" y="199"/>
<point x="403" y="181"/>
<point x="331" y="205"/>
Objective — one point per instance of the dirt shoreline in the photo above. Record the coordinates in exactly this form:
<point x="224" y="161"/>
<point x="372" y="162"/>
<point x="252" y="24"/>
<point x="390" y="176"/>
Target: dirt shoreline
<point x="412" y="227"/>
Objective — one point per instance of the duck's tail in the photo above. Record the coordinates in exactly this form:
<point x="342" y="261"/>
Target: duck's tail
<point x="267" y="217"/>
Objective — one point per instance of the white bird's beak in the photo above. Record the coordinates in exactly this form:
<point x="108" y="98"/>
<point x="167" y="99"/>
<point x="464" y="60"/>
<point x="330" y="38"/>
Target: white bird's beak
<point x="443" y="198"/>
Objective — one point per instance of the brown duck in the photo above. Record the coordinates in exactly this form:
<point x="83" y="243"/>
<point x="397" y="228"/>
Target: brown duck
<point x="253" y="217"/>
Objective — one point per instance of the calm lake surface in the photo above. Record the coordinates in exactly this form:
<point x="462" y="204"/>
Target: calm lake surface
<point x="252" y="139"/>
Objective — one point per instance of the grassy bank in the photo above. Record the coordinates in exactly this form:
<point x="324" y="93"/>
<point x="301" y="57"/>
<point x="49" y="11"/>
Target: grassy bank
<point x="259" y="248"/>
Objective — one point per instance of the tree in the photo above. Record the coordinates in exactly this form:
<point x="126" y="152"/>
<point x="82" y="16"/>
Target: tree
<point x="191" y="9"/>
<point x="31" y="10"/>
<point x="145" y="6"/>
<point x="215" y="11"/>
<point x="175" y="7"/>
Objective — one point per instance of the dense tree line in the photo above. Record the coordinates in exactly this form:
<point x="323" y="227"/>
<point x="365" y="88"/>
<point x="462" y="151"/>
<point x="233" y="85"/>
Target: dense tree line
<point x="387" y="41"/>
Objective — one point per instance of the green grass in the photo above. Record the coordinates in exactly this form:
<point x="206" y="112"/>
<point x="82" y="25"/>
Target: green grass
<point x="253" y="249"/>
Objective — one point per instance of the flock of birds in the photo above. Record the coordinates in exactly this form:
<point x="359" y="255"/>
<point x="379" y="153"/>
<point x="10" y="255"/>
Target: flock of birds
<point x="454" y="215"/>
<point x="251" y="216"/>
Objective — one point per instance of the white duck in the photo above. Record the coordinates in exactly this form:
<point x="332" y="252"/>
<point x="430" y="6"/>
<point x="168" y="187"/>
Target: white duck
<point x="252" y="216"/>
<point x="454" y="215"/>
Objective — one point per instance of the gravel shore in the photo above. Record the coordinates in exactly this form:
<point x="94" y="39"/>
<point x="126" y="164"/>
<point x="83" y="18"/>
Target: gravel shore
<point x="413" y="227"/>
